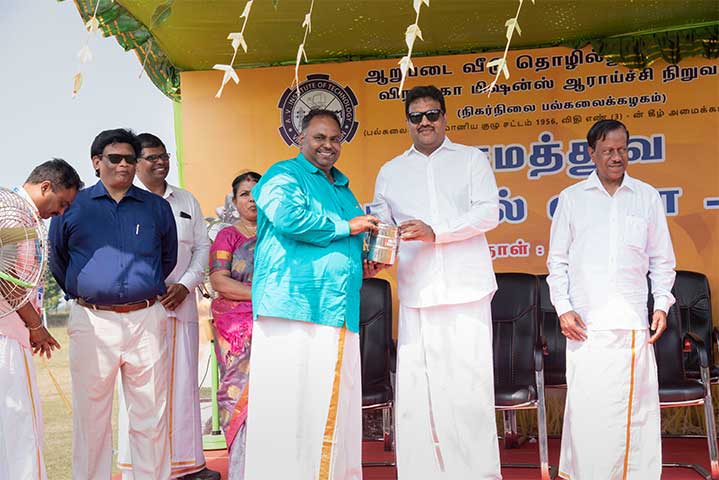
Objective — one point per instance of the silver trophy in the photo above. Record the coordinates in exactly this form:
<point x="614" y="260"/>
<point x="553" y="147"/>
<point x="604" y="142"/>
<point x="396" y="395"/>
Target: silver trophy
<point x="382" y="245"/>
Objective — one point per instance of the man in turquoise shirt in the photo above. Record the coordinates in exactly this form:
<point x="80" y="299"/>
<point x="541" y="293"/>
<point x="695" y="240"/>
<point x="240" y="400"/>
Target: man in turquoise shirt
<point x="305" y="393"/>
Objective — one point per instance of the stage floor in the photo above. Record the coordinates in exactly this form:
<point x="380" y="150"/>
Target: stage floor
<point x="684" y="450"/>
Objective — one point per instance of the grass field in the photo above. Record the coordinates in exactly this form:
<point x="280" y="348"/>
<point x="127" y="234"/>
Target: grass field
<point x="56" y="418"/>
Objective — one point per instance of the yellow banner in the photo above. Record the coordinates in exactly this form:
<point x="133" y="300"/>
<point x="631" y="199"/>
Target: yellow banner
<point x="533" y="128"/>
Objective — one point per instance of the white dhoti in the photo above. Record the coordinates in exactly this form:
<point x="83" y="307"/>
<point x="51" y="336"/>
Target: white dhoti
<point x="21" y="454"/>
<point x="445" y="416"/>
<point x="183" y="410"/>
<point x="305" y="402"/>
<point x="101" y="344"/>
<point x="611" y="421"/>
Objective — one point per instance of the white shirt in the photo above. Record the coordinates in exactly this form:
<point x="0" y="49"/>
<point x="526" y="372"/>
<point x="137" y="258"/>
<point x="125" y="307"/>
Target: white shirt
<point x="453" y="190"/>
<point x="193" y="247"/>
<point x="600" y="250"/>
<point x="11" y="325"/>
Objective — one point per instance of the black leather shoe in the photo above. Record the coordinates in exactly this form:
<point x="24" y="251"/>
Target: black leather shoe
<point x="204" y="474"/>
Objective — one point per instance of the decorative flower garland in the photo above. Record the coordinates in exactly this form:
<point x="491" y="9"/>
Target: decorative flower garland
<point x="85" y="54"/>
<point x="501" y="63"/>
<point x="412" y="33"/>
<point x="307" y="24"/>
<point x="238" y="39"/>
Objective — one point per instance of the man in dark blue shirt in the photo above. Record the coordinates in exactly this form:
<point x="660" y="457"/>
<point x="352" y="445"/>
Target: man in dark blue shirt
<point x="110" y="253"/>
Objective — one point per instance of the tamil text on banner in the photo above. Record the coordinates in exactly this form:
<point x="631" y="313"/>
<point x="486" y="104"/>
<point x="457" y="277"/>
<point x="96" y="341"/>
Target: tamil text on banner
<point x="533" y="128"/>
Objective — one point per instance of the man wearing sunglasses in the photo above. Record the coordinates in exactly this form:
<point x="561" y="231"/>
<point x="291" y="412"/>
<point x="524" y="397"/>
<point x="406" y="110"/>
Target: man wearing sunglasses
<point x="110" y="252"/>
<point x="444" y="197"/>
<point x="193" y="245"/>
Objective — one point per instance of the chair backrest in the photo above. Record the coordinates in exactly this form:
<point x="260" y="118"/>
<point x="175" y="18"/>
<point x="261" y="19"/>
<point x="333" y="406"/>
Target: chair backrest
<point x="515" y="329"/>
<point x="693" y="300"/>
<point x="555" y="361"/>
<point x="668" y="350"/>
<point x="375" y="333"/>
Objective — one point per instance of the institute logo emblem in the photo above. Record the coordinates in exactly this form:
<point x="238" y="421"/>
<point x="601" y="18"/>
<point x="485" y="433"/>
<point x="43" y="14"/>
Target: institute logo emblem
<point x="317" y="92"/>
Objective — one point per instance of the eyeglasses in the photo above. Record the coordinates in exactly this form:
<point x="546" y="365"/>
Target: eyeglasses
<point x="160" y="156"/>
<point x="608" y="154"/>
<point x="116" y="158"/>
<point x="432" y="116"/>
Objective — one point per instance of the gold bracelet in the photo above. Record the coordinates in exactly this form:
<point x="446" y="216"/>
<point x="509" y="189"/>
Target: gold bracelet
<point x="32" y="329"/>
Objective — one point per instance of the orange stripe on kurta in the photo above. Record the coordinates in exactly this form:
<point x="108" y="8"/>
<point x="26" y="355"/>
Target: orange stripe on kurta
<point x="329" y="437"/>
<point x="629" y="408"/>
<point x="34" y="413"/>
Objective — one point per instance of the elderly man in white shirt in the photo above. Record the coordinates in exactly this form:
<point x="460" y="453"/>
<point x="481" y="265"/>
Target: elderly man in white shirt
<point x="180" y="301"/>
<point x="608" y="232"/>
<point x="444" y="197"/>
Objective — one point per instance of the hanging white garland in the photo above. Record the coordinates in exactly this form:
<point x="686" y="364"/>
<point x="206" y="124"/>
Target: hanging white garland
<point x="501" y="63"/>
<point x="307" y="24"/>
<point x="85" y="54"/>
<point x="413" y="32"/>
<point x="237" y="40"/>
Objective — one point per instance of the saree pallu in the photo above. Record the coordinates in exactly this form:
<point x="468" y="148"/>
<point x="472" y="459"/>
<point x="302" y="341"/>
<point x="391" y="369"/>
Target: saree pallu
<point x="233" y="359"/>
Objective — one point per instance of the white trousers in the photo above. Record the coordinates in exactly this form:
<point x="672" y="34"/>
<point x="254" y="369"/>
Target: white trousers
<point x="183" y="405"/>
<point x="445" y="418"/>
<point x="20" y="415"/>
<point x="611" y="420"/>
<point x="305" y="402"/>
<point x="101" y="345"/>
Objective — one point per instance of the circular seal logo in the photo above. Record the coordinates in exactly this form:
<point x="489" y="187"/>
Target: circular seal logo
<point x="317" y="92"/>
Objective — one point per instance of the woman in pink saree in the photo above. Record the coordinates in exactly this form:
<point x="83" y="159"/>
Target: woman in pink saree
<point x="231" y="267"/>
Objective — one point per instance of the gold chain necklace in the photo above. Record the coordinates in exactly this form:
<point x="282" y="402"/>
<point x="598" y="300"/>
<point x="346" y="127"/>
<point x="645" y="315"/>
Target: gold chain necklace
<point x="249" y="230"/>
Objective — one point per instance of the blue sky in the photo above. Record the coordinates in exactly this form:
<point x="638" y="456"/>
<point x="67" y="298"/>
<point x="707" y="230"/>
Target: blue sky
<point x="39" y="119"/>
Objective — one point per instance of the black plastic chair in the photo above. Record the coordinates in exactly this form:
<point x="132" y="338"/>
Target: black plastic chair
<point x="676" y="390"/>
<point x="377" y="352"/>
<point x="519" y="360"/>
<point x="691" y="290"/>
<point x="555" y="344"/>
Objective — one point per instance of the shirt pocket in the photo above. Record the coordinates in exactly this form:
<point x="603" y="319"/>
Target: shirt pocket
<point x="146" y="240"/>
<point x="635" y="232"/>
<point x="185" y="232"/>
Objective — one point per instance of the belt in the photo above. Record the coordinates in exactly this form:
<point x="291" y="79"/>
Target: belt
<point x="124" y="308"/>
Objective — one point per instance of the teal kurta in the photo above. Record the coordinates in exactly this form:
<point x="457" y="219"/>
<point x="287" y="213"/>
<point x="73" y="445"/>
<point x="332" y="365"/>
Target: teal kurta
<point x="307" y="266"/>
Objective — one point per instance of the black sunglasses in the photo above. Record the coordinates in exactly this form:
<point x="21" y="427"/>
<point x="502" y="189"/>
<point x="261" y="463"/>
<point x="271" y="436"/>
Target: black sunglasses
<point x="116" y="158"/>
<point x="432" y="116"/>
